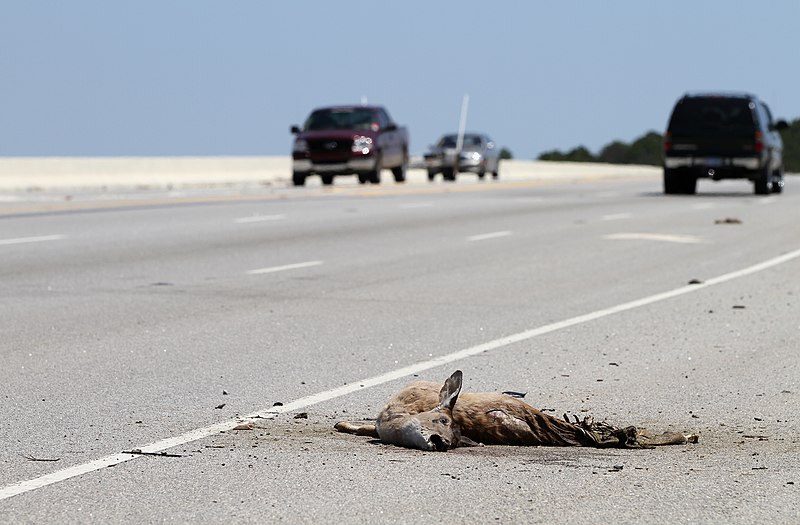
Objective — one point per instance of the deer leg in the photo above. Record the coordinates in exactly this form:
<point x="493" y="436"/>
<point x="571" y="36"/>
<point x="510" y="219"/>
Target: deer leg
<point x="667" y="438"/>
<point x="359" y="430"/>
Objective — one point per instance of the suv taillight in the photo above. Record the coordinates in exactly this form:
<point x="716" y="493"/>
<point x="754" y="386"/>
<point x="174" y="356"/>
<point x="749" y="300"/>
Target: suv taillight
<point x="667" y="142"/>
<point x="759" y="145"/>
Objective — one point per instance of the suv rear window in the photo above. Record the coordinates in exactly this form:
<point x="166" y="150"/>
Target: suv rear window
<point x="701" y="115"/>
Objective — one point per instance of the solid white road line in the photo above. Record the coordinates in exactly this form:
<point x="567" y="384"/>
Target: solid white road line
<point x="492" y="235"/>
<point x="23" y="240"/>
<point x="414" y="205"/>
<point x="663" y="237"/>
<point x="270" y="413"/>
<point x="274" y="269"/>
<point x="616" y="216"/>
<point x="258" y="218"/>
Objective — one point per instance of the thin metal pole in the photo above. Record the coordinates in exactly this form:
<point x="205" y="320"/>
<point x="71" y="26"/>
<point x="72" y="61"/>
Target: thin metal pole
<point x="461" y="128"/>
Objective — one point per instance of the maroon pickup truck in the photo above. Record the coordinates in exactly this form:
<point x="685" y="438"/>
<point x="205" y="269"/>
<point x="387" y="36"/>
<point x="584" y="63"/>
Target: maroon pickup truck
<point x="347" y="140"/>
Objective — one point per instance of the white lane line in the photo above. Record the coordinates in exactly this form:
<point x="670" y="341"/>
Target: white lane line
<point x="414" y="205"/>
<point x="663" y="237"/>
<point x="259" y="218"/>
<point x="22" y="487"/>
<point x="23" y="240"/>
<point x="492" y="235"/>
<point x="10" y="198"/>
<point x="616" y="216"/>
<point x="274" y="269"/>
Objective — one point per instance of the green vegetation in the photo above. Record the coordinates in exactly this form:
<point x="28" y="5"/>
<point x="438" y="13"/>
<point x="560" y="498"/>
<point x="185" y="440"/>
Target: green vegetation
<point x="505" y="153"/>
<point x="647" y="149"/>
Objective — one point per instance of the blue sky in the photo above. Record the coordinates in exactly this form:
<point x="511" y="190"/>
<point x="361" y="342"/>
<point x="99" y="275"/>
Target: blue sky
<point x="199" y="77"/>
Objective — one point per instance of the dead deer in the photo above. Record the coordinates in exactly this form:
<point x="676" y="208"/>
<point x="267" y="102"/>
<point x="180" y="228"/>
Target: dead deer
<point x="425" y="416"/>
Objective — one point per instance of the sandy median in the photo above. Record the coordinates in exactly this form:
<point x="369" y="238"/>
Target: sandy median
<point x="28" y="174"/>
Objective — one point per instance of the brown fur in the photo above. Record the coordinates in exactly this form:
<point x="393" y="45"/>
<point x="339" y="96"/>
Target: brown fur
<point x="417" y="417"/>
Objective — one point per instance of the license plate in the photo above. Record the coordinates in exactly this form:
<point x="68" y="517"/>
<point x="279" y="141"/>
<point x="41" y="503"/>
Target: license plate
<point x="713" y="162"/>
<point x="329" y="167"/>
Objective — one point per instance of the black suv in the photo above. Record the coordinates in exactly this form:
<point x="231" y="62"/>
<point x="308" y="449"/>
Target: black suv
<point x="723" y="136"/>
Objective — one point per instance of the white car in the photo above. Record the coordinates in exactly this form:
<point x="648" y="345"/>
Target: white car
<point x="479" y="154"/>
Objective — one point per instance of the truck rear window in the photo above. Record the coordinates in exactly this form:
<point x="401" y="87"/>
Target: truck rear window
<point x="341" y="119"/>
<point x="713" y="115"/>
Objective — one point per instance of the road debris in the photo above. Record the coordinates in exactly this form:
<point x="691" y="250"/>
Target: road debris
<point x="519" y="395"/>
<point x="32" y="458"/>
<point x="138" y="451"/>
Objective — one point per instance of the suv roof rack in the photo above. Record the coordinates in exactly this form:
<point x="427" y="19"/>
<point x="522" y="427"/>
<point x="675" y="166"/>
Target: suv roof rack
<point x="730" y="94"/>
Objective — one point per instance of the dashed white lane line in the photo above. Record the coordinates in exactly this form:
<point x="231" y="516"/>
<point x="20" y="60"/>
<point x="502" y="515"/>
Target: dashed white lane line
<point x="492" y="235"/>
<point x="414" y="205"/>
<point x="662" y="237"/>
<point x="24" y="240"/>
<point x="22" y="487"/>
<point x="273" y="269"/>
<point x="616" y="216"/>
<point x="259" y="218"/>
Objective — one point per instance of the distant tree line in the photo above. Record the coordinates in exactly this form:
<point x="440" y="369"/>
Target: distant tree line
<point x="648" y="149"/>
<point x="791" y="147"/>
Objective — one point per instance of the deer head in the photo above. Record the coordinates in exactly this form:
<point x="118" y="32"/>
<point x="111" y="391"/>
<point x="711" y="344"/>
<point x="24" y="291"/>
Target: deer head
<point x="437" y="427"/>
<point x="431" y="430"/>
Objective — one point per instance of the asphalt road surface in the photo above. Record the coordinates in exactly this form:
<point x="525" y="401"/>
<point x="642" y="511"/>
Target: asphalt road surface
<point x="156" y="323"/>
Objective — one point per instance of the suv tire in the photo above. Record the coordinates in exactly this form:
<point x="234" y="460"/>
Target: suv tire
<point x="763" y="185"/>
<point x="677" y="182"/>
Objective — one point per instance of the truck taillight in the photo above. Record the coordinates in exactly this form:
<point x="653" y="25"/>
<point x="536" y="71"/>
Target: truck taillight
<point x="300" y="146"/>
<point x="667" y="142"/>
<point x="759" y="142"/>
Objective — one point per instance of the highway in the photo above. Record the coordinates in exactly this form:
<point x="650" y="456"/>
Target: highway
<point x="158" y="323"/>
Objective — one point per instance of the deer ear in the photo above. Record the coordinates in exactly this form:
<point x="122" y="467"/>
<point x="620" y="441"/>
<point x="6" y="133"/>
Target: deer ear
<point x="450" y="390"/>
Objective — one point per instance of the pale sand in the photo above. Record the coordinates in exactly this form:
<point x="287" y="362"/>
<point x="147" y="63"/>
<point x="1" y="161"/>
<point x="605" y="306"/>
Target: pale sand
<point x="26" y="173"/>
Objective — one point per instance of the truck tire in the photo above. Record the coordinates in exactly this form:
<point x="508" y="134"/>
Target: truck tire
<point x="327" y="180"/>
<point x="299" y="178"/>
<point x="431" y="175"/>
<point x="363" y="178"/>
<point x="374" y="176"/>
<point x="399" y="173"/>
<point x="448" y="174"/>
